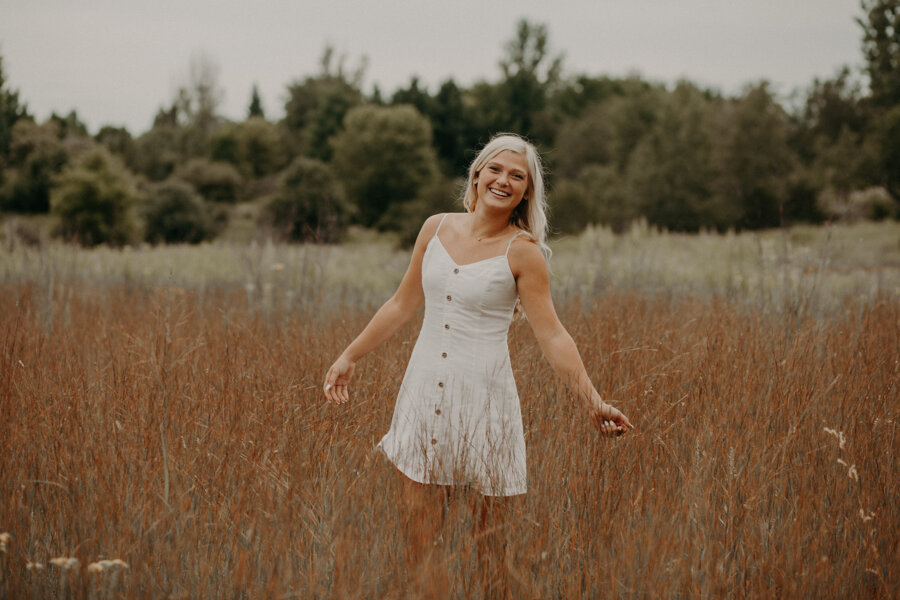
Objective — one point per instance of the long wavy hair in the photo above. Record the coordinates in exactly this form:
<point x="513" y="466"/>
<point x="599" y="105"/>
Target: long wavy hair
<point x="531" y="213"/>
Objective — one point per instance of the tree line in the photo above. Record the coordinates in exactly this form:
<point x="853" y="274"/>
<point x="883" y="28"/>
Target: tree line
<point x="618" y="149"/>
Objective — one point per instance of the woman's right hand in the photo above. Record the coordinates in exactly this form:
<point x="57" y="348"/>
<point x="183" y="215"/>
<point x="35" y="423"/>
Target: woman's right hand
<point x="609" y="420"/>
<point x="336" y="380"/>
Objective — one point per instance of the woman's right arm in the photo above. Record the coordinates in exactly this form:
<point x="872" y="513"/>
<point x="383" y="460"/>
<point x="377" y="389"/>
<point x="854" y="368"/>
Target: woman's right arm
<point x="390" y="317"/>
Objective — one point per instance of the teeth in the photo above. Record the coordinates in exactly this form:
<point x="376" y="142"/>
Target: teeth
<point x="499" y="193"/>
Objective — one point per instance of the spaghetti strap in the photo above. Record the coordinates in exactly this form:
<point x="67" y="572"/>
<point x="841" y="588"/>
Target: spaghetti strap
<point x="511" y="240"/>
<point x="439" y="224"/>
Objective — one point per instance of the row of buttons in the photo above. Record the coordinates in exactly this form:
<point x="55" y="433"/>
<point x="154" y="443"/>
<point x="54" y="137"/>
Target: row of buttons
<point x="437" y="411"/>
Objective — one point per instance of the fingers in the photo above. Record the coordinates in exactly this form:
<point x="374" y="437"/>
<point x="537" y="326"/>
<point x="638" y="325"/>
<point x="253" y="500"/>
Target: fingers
<point x="611" y="429"/>
<point x="335" y="392"/>
<point x="612" y="426"/>
<point x="330" y="388"/>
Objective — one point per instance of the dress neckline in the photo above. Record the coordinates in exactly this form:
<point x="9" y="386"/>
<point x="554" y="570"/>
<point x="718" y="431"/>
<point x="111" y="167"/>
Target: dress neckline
<point x="453" y="260"/>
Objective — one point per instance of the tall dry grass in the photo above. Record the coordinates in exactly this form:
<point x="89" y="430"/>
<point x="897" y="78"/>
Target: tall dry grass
<point x="184" y="433"/>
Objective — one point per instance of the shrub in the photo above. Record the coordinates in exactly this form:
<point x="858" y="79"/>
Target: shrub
<point x="215" y="181"/>
<point x="438" y="196"/>
<point x="310" y="205"/>
<point x="175" y="213"/>
<point x="873" y="203"/>
<point x="94" y="201"/>
<point x="36" y="157"/>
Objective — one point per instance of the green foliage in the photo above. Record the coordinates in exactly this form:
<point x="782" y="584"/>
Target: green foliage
<point x="886" y="136"/>
<point x="831" y="106"/>
<point x="415" y="97"/>
<point x="439" y="195"/>
<point x="94" y="201"/>
<point x="254" y="147"/>
<point x="175" y="213"/>
<point x="255" y="109"/>
<point x="316" y="107"/>
<point x="753" y="157"/>
<point x="384" y="157"/>
<point x="598" y="195"/>
<point x="118" y="141"/>
<point x="158" y="151"/>
<point x="530" y="75"/>
<point x="616" y="149"/>
<point x="881" y="49"/>
<point x="872" y="203"/>
<point x="69" y="125"/>
<point x="451" y="125"/>
<point x="197" y="103"/>
<point x="11" y="110"/>
<point x="633" y="115"/>
<point x="671" y="170"/>
<point x="215" y="181"/>
<point x="310" y="205"/>
<point x="584" y="92"/>
<point x="36" y="155"/>
<point x="829" y="143"/>
<point x="586" y="140"/>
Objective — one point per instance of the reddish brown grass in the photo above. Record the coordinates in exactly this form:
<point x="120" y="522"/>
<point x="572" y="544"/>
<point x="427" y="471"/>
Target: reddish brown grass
<point x="187" y="435"/>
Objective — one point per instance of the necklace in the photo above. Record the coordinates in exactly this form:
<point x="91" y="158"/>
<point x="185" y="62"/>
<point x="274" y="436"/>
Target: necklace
<point x="478" y="238"/>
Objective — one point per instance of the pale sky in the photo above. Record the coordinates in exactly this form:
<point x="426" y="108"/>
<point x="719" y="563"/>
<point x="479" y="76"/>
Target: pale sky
<point x="118" y="61"/>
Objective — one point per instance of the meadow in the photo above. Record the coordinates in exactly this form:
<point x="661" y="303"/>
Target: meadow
<point x="161" y="407"/>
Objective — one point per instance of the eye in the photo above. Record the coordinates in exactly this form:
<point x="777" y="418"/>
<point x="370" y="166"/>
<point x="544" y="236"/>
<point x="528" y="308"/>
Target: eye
<point x="494" y="169"/>
<point x="519" y="176"/>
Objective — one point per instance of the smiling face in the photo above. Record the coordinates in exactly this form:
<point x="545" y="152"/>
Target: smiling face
<point x="503" y="181"/>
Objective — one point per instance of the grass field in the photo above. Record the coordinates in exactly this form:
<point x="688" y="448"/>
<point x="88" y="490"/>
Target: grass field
<point x="162" y="407"/>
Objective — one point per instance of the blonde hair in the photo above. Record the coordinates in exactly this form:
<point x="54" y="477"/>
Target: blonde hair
<point x="531" y="214"/>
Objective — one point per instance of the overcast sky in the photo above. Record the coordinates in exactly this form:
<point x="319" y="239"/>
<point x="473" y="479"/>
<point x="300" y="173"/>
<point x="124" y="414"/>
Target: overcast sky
<point x="117" y="61"/>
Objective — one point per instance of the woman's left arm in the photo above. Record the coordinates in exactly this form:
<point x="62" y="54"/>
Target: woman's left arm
<point x="533" y="282"/>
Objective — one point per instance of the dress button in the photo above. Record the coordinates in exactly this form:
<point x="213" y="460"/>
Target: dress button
<point x="456" y="270"/>
<point x="433" y="441"/>
<point x="440" y="384"/>
<point x="446" y="325"/>
<point x="437" y="411"/>
<point x="449" y="298"/>
<point x="443" y="355"/>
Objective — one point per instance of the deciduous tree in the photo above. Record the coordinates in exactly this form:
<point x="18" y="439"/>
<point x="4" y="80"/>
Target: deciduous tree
<point x="881" y="49"/>
<point x="316" y="106"/>
<point x="384" y="157"/>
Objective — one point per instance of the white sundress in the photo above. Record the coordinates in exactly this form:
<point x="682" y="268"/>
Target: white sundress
<point x="457" y="420"/>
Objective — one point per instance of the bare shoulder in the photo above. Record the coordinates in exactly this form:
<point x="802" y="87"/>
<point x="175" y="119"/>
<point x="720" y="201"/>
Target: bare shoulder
<point x="526" y="258"/>
<point x="429" y="227"/>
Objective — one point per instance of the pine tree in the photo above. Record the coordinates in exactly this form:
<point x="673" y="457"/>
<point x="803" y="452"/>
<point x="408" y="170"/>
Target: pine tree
<point x="256" y="109"/>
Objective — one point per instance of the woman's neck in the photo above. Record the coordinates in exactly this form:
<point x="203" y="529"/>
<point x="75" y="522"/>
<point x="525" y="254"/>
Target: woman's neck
<point x="485" y="227"/>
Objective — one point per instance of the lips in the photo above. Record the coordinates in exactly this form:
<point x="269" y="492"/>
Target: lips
<point x="499" y="193"/>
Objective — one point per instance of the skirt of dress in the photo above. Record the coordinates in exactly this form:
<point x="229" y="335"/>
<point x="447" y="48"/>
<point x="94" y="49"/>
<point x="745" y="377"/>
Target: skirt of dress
<point x="459" y="425"/>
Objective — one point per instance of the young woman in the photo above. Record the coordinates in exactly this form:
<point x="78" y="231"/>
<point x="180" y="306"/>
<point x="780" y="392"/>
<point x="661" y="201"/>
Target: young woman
<point x="457" y="422"/>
